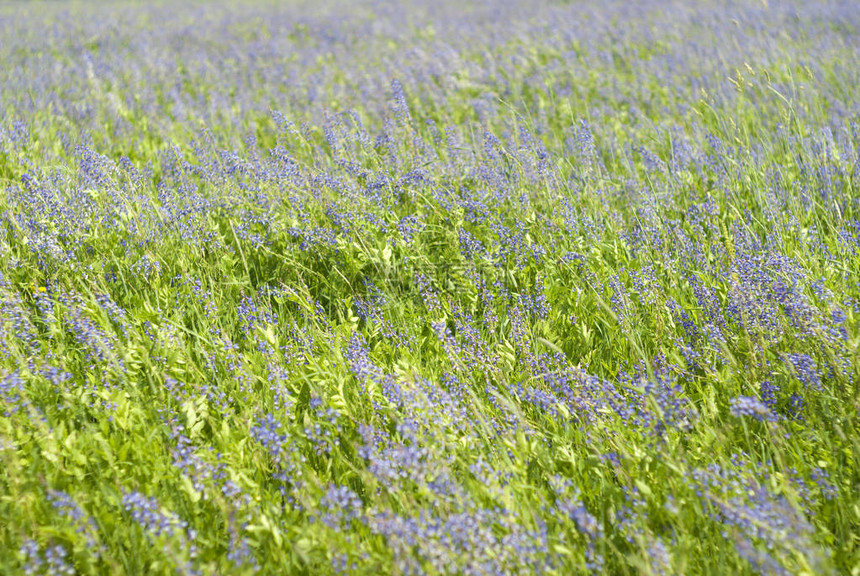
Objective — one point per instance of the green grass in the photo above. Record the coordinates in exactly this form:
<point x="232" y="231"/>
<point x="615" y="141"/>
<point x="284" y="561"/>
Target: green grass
<point x="499" y="325"/>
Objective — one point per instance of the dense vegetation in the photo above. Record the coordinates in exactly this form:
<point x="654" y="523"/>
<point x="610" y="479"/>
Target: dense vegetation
<point x="447" y="288"/>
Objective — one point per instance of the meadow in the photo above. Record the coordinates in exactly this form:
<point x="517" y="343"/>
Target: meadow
<point x="437" y="287"/>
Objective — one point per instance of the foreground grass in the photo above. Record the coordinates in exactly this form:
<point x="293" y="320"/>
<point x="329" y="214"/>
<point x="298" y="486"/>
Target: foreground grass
<point x="453" y="289"/>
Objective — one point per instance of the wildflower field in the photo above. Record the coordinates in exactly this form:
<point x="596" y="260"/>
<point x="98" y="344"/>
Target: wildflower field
<point x="438" y="287"/>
